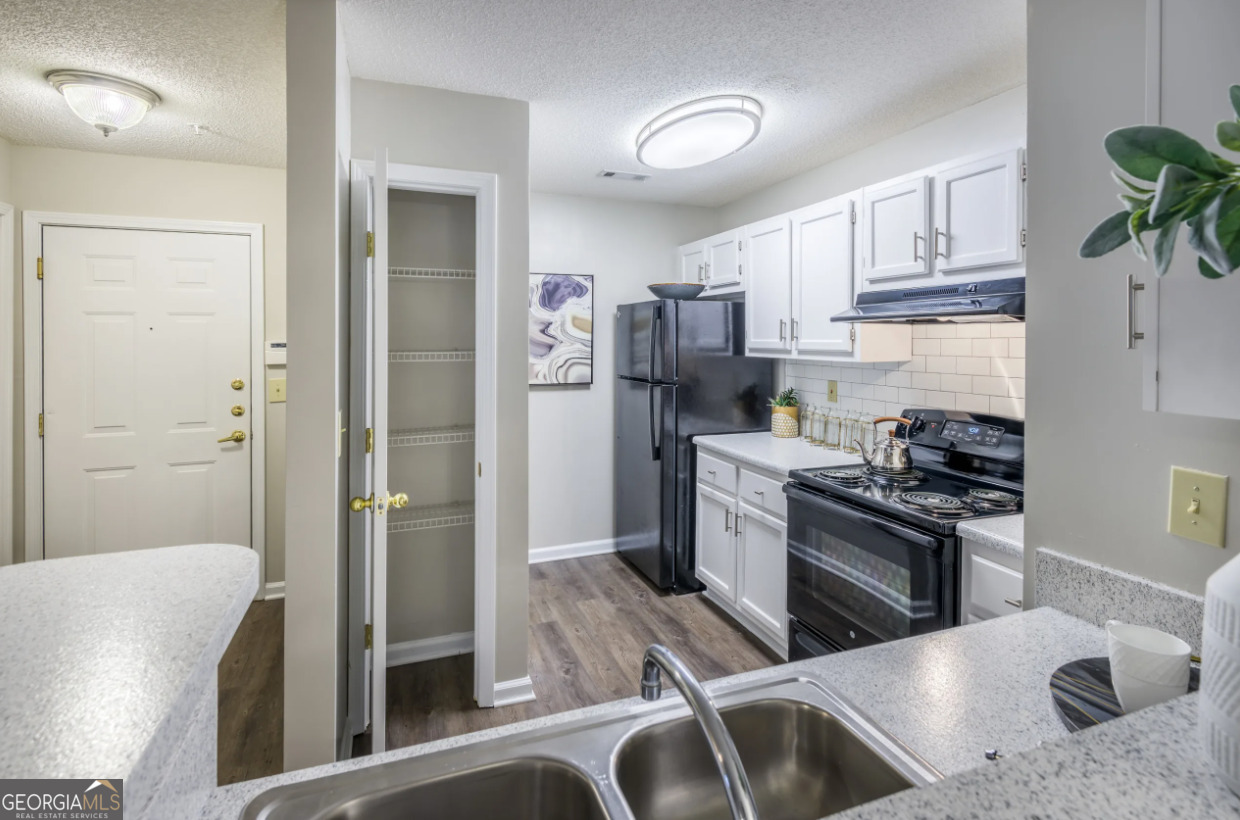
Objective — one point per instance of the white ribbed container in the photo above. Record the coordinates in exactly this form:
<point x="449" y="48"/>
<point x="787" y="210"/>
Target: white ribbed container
<point x="1219" y="706"/>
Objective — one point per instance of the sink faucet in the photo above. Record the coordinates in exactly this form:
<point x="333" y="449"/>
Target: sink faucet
<point x="735" y="781"/>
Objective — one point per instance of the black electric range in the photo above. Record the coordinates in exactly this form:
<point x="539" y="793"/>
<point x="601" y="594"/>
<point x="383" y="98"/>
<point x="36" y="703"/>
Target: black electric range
<point x="875" y="557"/>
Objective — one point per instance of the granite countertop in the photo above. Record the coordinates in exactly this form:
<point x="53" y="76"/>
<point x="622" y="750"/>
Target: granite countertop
<point x="106" y="656"/>
<point x="777" y="455"/>
<point x="950" y="696"/>
<point x="1005" y="533"/>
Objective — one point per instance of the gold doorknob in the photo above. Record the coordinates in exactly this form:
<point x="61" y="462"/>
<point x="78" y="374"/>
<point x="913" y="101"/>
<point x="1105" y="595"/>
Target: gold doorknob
<point x="399" y="501"/>
<point x="236" y="435"/>
<point x="357" y="503"/>
<point x="237" y="384"/>
<point x="238" y="410"/>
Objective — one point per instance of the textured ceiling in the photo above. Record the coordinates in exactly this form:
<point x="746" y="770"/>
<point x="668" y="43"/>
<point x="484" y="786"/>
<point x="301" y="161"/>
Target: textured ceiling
<point x="833" y="75"/>
<point x="219" y="63"/>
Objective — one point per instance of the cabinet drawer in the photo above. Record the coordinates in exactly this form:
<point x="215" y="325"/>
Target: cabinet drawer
<point x="716" y="472"/>
<point x="764" y="493"/>
<point x="991" y="588"/>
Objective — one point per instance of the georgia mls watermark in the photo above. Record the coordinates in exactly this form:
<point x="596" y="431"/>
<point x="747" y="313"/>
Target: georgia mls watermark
<point x="62" y="799"/>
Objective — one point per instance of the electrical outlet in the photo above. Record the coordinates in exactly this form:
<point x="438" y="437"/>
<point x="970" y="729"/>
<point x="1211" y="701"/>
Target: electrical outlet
<point x="1198" y="506"/>
<point x="275" y="390"/>
<point x="833" y="391"/>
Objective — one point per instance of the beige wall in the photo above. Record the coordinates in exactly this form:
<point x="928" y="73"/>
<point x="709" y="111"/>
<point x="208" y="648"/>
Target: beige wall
<point x="625" y="246"/>
<point x="53" y="179"/>
<point x="424" y="126"/>
<point x="6" y="172"/>
<point x="1099" y="465"/>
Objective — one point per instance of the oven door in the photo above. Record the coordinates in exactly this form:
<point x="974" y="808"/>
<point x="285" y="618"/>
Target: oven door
<point x="858" y="578"/>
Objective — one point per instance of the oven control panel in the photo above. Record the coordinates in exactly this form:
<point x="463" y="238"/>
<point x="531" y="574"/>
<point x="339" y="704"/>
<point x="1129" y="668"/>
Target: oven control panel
<point x="972" y="433"/>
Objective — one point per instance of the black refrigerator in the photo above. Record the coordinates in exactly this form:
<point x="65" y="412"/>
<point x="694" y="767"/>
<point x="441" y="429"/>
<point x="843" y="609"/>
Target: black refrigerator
<point x="681" y="372"/>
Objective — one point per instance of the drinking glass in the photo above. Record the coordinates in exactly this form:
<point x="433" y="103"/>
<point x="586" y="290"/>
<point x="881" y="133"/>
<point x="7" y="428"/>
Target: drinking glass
<point x="831" y="440"/>
<point x="807" y="423"/>
<point x="850" y="431"/>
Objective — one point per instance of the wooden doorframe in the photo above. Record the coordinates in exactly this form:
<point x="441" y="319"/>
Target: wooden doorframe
<point x="33" y="223"/>
<point x="483" y="187"/>
<point x="8" y="363"/>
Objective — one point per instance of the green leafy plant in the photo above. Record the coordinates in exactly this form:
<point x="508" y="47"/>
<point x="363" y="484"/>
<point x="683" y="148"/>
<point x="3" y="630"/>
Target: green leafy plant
<point x="786" y="398"/>
<point x="1190" y="186"/>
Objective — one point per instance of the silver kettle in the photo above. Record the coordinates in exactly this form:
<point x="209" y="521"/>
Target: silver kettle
<point x="890" y="455"/>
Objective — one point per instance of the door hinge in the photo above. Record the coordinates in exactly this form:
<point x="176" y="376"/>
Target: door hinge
<point x="1024" y="237"/>
<point x="370" y="636"/>
<point x="39" y="268"/>
<point x="40" y="425"/>
<point x="740" y="244"/>
<point x="1024" y="171"/>
<point x="370" y="439"/>
<point x="739" y="271"/>
<point x="370" y="243"/>
<point x="852" y="214"/>
<point x="479" y="469"/>
<point x="852" y="333"/>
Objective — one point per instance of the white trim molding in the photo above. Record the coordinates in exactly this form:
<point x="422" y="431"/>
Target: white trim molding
<point x="429" y="649"/>
<point x="33" y="223"/>
<point x="512" y="692"/>
<point x="273" y="590"/>
<point x="8" y="365"/>
<point x="582" y="549"/>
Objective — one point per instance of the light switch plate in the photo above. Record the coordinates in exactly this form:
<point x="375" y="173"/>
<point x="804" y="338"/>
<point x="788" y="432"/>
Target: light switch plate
<point x="276" y="390"/>
<point x="833" y="390"/>
<point x="1198" y="506"/>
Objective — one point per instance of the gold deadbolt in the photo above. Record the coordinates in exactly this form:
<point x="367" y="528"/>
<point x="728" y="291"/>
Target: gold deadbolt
<point x="238" y="410"/>
<point x="236" y="435"/>
<point x="357" y="503"/>
<point x="238" y="384"/>
<point x="398" y="501"/>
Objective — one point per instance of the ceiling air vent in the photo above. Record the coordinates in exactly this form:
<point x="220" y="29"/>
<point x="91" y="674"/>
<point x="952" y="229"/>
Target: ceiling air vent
<point x="627" y="176"/>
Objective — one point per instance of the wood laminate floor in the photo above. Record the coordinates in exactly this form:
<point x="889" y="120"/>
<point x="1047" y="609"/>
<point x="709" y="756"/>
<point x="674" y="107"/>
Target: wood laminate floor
<point x="591" y="620"/>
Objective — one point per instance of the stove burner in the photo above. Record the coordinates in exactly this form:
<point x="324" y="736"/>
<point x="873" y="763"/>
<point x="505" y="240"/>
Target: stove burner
<point x="846" y="476"/>
<point x="992" y="500"/>
<point x="934" y="503"/>
<point x="905" y="478"/>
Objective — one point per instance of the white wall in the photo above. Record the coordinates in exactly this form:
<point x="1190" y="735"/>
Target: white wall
<point x="6" y="171"/>
<point x="1098" y="465"/>
<point x="55" y="179"/>
<point x="625" y="246"/>
<point x="315" y="614"/>
<point x="446" y="129"/>
<point x="992" y="124"/>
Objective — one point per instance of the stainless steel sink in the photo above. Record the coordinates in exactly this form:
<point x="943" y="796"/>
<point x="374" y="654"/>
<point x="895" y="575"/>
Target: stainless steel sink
<point x="808" y="753"/>
<point x="803" y="763"/>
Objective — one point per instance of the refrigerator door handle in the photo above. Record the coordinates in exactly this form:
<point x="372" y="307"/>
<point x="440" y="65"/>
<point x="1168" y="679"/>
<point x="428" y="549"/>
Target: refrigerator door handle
<point x="656" y="450"/>
<point x="656" y="338"/>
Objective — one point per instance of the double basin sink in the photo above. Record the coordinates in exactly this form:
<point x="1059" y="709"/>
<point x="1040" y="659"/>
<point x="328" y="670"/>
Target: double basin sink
<point x="807" y="752"/>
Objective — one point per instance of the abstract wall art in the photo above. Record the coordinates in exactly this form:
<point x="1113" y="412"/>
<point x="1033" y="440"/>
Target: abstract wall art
<point x="561" y="329"/>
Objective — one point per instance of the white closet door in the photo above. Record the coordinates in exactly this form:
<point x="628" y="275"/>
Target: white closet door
<point x="977" y="214"/>
<point x="768" y="297"/>
<point x="822" y="275"/>
<point x="379" y="461"/>
<point x="144" y="333"/>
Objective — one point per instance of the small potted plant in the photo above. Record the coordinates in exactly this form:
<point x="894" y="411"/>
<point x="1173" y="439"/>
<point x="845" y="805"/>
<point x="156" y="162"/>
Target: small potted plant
<point x="784" y="415"/>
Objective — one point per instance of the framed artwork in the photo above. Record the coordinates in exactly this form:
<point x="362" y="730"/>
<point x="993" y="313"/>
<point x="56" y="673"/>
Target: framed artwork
<point x="561" y="329"/>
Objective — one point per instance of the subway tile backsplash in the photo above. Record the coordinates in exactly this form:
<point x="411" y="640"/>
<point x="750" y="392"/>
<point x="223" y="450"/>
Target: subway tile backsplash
<point x="978" y="367"/>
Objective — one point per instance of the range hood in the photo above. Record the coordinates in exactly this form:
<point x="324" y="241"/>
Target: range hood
<point x="999" y="300"/>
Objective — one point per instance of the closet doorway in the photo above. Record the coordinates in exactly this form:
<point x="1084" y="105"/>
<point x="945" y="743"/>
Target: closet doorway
<point x="422" y="428"/>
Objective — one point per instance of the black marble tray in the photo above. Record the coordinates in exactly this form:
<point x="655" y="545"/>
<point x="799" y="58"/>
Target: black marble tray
<point x="1084" y="696"/>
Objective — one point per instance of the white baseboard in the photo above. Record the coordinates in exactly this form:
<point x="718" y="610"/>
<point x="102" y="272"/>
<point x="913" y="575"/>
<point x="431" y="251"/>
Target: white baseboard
<point x="509" y="692"/>
<point x="273" y="591"/>
<point x="428" y="649"/>
<point x="578" y="550"/>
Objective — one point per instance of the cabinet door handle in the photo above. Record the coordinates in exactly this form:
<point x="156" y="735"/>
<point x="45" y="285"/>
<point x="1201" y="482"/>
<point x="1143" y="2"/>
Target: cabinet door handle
<point x="700" y="268"/>
<point x="727" y="520"/>
<point x="707" y="267"/>
<point x="783" y="329"/>
<point x="738" y="524"/>
<point x="794" y="330"/>
<point x="917" y="238"/>
<point x="1133" y="288"/>
<point x="1016" y="602"/>
<point x="937" y="234"/>
<point x="758" y="492"/>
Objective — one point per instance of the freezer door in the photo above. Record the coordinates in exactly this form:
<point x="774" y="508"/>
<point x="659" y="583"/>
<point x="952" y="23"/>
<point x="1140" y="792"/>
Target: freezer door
<point x="643" y="351"/>
<point x="643" y="503"/>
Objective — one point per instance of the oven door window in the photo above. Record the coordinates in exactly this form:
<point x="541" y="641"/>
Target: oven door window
<point x="860" y="579"/>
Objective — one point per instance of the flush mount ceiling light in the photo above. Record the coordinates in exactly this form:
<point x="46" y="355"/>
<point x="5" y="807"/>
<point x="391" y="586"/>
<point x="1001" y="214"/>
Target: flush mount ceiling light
<point x="108" y="103"/>
<point x="699" y="132"/>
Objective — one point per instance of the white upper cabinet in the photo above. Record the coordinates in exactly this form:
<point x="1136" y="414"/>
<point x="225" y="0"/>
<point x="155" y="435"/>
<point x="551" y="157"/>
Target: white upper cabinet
<point x="691" y="260"/>
<point x="723" y="262"/>
<point x="768" y="299"/>
<point x="822" y="275"/>
<point x="895" y="231"/>
<point x="978" y="214"/>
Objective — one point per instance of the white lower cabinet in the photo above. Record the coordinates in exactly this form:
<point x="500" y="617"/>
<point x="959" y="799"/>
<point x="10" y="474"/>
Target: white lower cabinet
<point x="992" y="583"/>
<point x="741" y="550"/>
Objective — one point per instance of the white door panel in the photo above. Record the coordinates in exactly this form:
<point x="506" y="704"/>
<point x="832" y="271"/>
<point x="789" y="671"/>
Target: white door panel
<point x="822" y="275"/>
<point x="716" y="541"/>
<point x="143" y="333"/>
<point x="768" y="297"/>
<point x="723" y="261"/>
<point x="977" y="214"/>
<point x="896" y="225"/>
<point x="692" y="262"/>
<point x="763" y="584"/>
<point x="379" y="462"/>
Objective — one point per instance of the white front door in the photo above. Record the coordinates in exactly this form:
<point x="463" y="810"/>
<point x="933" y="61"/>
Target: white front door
<point x="146" y="365"/>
